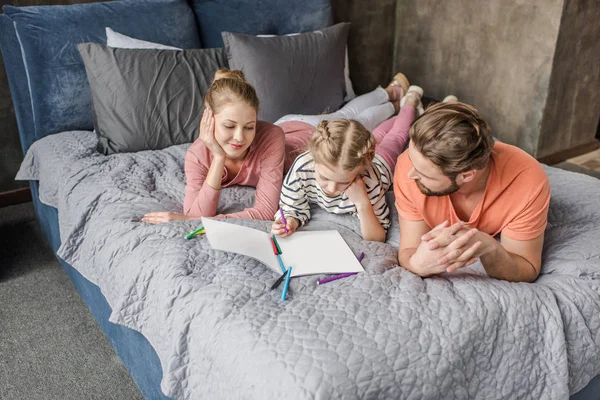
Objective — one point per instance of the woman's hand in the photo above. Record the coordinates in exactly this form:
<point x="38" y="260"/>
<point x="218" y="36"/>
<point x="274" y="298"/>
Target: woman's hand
<point x="162" y="217"/>
<point x="207" y="133"/>
<point x="279" y="230"/>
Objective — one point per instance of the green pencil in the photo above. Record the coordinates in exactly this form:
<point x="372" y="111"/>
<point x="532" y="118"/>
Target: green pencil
<point x="277" y="244"/>
<point x="194" y="233"/>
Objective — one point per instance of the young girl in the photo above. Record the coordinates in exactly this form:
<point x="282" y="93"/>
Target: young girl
<point x="236" y="149"/>
<point x="345" y="172"/>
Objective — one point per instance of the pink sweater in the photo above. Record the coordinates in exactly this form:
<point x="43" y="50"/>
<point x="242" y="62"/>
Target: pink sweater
<point x="262" y="169"/>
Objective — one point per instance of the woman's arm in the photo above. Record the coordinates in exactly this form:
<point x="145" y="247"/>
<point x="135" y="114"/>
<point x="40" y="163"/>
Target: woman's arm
<point x="269" y="182"/>
<point x="201" y="198"/>
<point x="202" y="184"/>
<point x="203" y="176"/>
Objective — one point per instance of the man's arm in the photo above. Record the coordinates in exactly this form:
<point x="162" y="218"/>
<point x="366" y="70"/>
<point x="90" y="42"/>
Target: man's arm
<point x="422" y="251"/>
<point x="510" y="260"/>
<point x="425" y="263"/>
<point x="514" y="260"/>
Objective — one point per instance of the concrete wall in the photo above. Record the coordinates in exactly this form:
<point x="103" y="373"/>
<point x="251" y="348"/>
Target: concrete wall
<point x="371" y="40"/>
<point x="572" y="113"/>
<point x="496" y="55"/>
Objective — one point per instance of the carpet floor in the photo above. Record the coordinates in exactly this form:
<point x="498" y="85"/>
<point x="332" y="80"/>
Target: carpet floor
<point x="50" y="345"/>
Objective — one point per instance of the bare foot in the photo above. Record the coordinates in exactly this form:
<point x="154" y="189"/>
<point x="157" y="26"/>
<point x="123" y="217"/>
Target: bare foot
<point x="395" y="93"/>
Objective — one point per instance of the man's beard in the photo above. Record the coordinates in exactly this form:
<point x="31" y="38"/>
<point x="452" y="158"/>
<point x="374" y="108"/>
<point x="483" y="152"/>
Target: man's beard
<point x="449" y="190"/>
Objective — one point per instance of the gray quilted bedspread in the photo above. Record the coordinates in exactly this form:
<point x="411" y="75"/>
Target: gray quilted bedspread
<point x="220" y="333"/>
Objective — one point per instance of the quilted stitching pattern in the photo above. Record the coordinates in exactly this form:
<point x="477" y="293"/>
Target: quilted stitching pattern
<point x="386" y="333"/>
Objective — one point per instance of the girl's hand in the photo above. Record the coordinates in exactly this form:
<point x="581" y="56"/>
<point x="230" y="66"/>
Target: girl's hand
<point x="357" y="192"/>
<point x="278" y="229"/>
<point x="162" y="217"/>
<point x="207" y="133"/>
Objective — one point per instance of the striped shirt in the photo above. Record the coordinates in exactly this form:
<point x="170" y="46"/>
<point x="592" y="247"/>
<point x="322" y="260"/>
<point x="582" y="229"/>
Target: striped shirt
<point x="300" y="189"/>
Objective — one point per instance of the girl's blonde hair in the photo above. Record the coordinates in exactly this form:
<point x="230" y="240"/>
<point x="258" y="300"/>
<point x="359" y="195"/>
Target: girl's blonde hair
<point x="228" y="87"/>
<point x="342" y="143"/>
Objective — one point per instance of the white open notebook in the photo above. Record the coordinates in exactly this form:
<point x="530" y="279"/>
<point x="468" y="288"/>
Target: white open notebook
<point x="314" y="252"/>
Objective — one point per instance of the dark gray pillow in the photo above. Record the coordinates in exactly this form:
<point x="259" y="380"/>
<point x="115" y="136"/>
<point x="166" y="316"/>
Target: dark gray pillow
<point x="148" y="99"/>
<point x="301" y="74"/>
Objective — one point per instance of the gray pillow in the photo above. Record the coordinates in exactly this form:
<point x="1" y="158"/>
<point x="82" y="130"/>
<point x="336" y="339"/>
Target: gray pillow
<point x="302" y="74"/>
<point x="148" y="99"/>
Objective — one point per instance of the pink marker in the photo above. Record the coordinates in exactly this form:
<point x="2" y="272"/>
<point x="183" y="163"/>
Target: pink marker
<point x="283" y="220"/>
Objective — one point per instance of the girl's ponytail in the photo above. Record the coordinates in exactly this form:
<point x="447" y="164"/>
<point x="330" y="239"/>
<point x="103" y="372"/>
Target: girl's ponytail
<point x="228" y="87"/>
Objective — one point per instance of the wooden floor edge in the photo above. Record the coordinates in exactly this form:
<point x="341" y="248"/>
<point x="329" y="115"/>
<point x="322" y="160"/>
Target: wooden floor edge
<point x="563" y="155"/>
<point x="16" y="196"/>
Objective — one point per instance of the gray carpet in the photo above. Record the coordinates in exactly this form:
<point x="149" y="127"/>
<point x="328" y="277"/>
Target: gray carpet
<point x="50" y="345"/>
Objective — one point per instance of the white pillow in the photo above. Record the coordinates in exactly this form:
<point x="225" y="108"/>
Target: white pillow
<point x="349" y="88"/>
<point x="120" y="41"/>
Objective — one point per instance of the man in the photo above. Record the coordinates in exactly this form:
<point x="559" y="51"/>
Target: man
<point x="456" y="189"/>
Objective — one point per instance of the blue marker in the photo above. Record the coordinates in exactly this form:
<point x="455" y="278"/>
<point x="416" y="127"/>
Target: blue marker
<point x="286" y="285"/>
<point x="280" y="263"/>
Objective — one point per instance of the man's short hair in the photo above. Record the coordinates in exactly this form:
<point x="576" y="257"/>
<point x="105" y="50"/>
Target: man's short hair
<point x="454" y="137"/>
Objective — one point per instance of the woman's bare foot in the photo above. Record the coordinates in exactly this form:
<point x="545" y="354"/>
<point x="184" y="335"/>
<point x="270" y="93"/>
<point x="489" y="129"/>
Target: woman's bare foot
<point x="395" y="93"/>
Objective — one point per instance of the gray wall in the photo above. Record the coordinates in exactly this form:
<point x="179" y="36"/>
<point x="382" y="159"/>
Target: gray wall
<point x="371" y="40"/>
<point x="530" y="67"/>
<point x="572" y="114"/>
<point x="496" y="55"/>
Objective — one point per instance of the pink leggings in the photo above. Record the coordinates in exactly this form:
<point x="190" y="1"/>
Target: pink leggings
<point x="392" y="135"/>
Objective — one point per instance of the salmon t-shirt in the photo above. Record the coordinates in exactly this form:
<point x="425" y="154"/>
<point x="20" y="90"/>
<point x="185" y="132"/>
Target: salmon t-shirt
<point x="515" y="202"/>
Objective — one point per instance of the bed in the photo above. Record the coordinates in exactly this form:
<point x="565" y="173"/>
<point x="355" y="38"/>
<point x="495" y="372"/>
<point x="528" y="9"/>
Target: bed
<point x="190" y="322"/>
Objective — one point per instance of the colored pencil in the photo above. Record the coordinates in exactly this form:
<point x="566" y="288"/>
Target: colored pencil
<point x="275" y="250"/>
<point x="277" y="244"/>
<point x="280" y="262"/>
<point x="279" y="280"/>
<point x="340" y="276"/>
<point x="286" y="285"/>
<point x="335" y="277"/>
<point x="196" y="232"/>
<point x="283" y="221"/>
